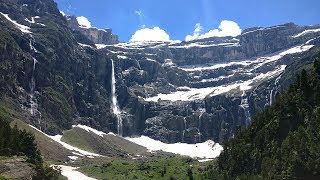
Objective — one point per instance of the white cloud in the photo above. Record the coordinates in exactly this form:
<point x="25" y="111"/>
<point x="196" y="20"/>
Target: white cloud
<point x="84" y="22"/>
<point x="226" y="28"/>
<point x="147" y="34"/>
<point x="196" y="33"/>
<point x="139" y="13"/>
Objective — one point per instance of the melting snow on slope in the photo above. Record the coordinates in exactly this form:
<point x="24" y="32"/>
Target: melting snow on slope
<point x="90" y="129"/>
<point x="57" y="138"/>
<point x="205" y="150"/>
<point x="306" y="32"/>
<point x="85" y="45"/>
<point x="101" y="46"/>
<point x="32" y="21"/>
<point x="71" y="173"/>
<point x="122" y="57"/>
<point x="23" y="28"/>
<point x="191" y="45"/>
<point x="201" y="93"/>
<point x="261" y="60"/>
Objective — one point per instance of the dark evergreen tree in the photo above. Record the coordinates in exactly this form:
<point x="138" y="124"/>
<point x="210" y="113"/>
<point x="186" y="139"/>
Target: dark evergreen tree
<point x="283" y="142"/>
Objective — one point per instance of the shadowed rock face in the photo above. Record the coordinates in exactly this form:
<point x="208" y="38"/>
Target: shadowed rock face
<point x="172" y="91"/>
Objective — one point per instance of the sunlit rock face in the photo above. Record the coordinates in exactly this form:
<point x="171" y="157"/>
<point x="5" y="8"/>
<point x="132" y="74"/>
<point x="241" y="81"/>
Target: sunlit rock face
<point x="97" y="36"/>
<point x="203" y="89"/>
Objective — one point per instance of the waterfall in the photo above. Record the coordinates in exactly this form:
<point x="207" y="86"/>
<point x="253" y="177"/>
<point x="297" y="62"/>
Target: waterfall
<point x="245" y="106"/>
<point x="115" y="107"/>
<point x="185" y="128"/>
<point x="274" y="90"/>
<point x="33" y="100"/>
<point x="199" y="123"/>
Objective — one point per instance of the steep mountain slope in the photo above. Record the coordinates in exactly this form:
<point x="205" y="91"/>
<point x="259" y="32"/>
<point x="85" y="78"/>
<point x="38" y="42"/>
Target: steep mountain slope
<point x="55" y="74"/>
<point x="44" y="69"/>
<point x="283" y="140"/>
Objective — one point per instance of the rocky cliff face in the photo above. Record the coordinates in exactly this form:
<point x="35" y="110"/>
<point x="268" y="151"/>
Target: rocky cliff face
<point x="97" y="36"/>
<point x="205" y="89"/>
<point x="58" y="75"/>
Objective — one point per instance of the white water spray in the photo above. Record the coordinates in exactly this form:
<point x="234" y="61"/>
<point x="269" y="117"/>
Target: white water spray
<point x="115" y="107"/>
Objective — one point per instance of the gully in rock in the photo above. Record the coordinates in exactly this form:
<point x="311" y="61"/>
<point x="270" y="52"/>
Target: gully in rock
<point x="115" y="107"/>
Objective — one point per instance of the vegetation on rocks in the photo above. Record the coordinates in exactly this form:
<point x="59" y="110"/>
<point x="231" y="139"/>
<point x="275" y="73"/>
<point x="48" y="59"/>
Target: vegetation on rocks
<point x="283" y="140"/>
<point x="15" y="142"/>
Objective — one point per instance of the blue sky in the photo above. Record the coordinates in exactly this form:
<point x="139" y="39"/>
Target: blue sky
<point x="179" y="17"/>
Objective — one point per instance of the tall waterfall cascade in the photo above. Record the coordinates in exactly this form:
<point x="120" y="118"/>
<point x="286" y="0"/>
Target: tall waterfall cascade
<point x="202" y="110"/>
<point x="33" y="100"/>
<point x="245" y="106"/>
<point x="274" y="90"/>
<point x="185" y="128"/>
<point x="115" y="107"/>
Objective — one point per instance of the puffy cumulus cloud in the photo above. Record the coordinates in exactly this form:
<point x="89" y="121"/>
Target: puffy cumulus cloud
<point x="147" y="34"/>
<point x="84" y="22"/>
<point x="196" y="32"/>
<point x="226" y="28"/>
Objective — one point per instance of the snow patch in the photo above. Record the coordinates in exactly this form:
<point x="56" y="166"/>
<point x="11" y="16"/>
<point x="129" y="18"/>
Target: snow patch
<point x="89" y="129"/>
<point x="22" y="28"/>
<point x="111" y="134"/>
<point x="306" y="32"/>
<point x="101" y="46"/>
<point x="62" y="13"/>
<point x="71" y="173"/>
<point x="85" y="45"/>
<point x="57" y="138"/>
<point x="191" y="45"/>
<point x="200" y="93"/>
<point x="122" y="57"/>
<point x="205" y="150"/>
<point x="73" y="157"/>
<point x="149" y="59"/>
<point x="32" y="21"/>
<point x="261" y="60"/>
<point x="204" y="160"/>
